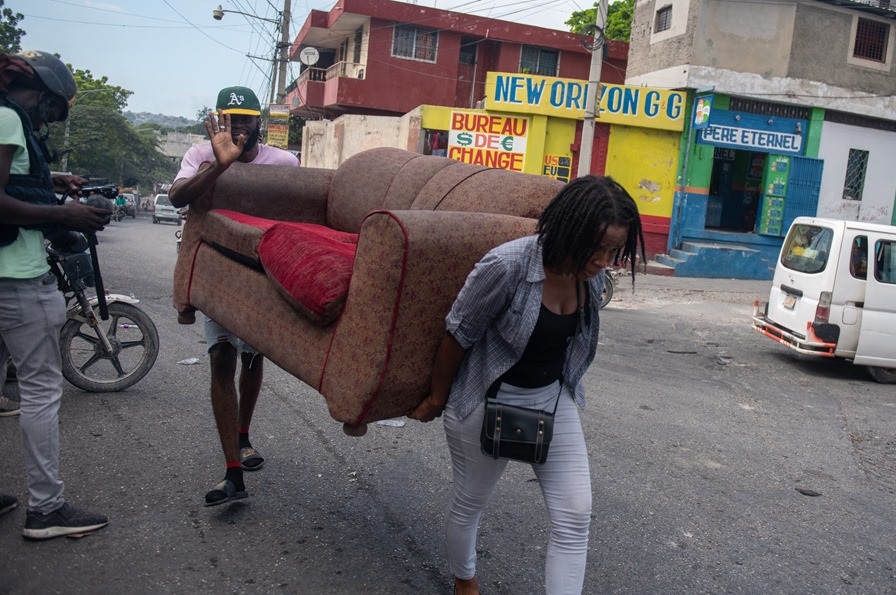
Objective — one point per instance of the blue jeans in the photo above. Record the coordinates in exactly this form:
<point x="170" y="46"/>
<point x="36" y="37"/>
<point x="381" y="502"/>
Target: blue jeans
<point x="32" y="312"/>
<point x="565" y="480"/>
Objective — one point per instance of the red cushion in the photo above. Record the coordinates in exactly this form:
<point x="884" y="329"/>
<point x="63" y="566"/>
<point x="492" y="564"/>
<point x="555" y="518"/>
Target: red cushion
<point x="311" y="265"/>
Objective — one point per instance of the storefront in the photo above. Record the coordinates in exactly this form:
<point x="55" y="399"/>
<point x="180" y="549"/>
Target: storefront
<point x="747" y="177"/>
<point x="529" y="124"/>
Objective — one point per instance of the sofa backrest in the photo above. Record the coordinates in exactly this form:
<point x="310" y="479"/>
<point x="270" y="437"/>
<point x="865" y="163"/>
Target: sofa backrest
<point x="394" y="179"/>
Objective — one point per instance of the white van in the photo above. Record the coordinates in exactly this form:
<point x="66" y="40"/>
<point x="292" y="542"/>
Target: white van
<point x="163" y="210"/>
<point x="834" y="293"/>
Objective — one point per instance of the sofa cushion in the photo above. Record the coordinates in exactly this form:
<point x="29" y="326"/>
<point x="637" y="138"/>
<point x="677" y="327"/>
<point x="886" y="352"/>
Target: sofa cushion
<point x="311" y="265"/>
<point x="235" y="234"/>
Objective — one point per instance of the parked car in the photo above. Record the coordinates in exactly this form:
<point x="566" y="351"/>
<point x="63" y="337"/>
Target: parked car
<point x="834" y="293"/>
<point x="130" y="205"/>
<point x="163" y="210"/>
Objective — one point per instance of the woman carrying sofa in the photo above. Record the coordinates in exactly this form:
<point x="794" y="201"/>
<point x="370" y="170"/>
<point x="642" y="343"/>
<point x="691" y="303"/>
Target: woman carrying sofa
<point x="526" y="325"/>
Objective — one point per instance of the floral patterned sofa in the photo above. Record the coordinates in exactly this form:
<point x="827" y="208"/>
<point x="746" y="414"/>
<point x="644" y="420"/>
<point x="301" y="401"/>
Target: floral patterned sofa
<point x="343" y="277"/>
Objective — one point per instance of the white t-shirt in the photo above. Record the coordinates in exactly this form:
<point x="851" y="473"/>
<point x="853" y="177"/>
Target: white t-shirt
<point x="25" y="258"/>
<point x="199" y="154"/>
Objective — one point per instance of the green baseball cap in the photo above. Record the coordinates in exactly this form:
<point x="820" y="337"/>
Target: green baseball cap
<point x="238" y="100"/>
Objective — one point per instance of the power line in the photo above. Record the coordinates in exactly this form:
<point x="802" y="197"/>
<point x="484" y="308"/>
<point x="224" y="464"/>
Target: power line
<point x="186" y="20"/>
<point x="116" y="12"/>
<point x="34" y="16"/>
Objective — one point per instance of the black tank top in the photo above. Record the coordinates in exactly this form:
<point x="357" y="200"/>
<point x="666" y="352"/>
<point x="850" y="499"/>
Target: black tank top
<point x="545" y="354"/>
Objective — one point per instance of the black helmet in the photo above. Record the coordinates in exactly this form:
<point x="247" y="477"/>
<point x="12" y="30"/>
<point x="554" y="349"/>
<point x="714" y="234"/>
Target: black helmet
<point x="54" y="74"/>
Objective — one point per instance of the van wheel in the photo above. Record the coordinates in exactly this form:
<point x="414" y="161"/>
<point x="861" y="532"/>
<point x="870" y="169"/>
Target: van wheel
<point x="882" y="375"/>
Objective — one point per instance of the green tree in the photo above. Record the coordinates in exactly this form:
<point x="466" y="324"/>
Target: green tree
<point x="203" y="113"/>
<point x="10" y="34"/>
<point x="296" y="125"/>
<point x="619" y="20"/>
<point x="98" y="141"/>
<point x="199" y="127"/>
<point x="98" y="91"/>
<point x="102" y="143"/>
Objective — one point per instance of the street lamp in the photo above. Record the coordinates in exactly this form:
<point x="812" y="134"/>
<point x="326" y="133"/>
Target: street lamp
<point x="283" y="23"/>
<point x="218" y="14"/>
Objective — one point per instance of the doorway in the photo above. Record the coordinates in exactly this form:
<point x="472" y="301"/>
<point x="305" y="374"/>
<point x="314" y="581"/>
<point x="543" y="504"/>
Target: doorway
<point x="734" y="190"/>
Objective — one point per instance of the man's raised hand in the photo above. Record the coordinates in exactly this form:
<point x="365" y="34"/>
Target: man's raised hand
<point x="219" y="131"/>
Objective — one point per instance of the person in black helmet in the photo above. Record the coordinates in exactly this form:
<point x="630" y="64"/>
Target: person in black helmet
<point x="36" y="88"/>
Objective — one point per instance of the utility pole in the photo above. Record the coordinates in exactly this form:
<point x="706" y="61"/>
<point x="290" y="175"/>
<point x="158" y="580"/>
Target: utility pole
<point x="281" y="50"/>
<point x="597" y="58"/>
<point x="284" y="51"/>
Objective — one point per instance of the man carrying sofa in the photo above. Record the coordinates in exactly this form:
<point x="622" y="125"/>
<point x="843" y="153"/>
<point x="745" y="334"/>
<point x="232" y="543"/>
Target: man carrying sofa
<point x="234" y="133"/>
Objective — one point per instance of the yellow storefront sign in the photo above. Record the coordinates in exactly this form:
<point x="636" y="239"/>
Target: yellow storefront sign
<point x="565" y="98"/>
<point x="278" y="126"/>
<point x="488" y="139"/>
<point x="529" y="94"/>
<point x="642" y="106"/>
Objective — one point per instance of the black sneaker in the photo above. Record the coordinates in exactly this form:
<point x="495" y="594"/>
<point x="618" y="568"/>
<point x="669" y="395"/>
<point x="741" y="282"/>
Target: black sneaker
<point x="67" y="520"/>
<point x="7" y="503"/>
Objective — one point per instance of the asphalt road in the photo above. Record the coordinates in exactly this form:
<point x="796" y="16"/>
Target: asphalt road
<point x="701" y="432"/>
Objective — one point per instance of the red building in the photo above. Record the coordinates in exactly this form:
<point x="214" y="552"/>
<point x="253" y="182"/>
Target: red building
<point x="379" y="57"/>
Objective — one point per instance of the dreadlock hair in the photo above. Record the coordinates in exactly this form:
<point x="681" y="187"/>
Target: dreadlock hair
<point x="572" y="226"/>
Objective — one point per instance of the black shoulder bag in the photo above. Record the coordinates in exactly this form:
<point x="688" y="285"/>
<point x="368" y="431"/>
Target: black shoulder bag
<point x="520" y="433"/>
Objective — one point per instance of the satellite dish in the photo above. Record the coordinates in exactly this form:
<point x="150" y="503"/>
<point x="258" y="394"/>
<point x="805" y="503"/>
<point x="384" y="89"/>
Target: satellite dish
<point x="309" y="56"/>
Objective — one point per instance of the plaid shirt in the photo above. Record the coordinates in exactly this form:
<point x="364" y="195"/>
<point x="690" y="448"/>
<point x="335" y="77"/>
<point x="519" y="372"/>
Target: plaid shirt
<point x="493" y="318"/>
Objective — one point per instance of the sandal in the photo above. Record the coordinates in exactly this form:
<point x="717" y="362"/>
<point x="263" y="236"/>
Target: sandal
<point x="224" y="492"/>
<point x="251" y="459"/>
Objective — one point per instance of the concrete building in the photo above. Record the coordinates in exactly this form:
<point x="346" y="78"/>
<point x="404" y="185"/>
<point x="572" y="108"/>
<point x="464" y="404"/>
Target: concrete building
<point x="175" y="144"/>
<point x="385" y="58"/>
<point x="792" y="111"/>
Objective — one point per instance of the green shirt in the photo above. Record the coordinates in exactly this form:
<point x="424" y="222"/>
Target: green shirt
<point x="25" y="258"/>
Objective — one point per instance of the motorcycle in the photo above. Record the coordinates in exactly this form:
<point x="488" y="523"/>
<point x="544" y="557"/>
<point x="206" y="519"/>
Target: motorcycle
<point x="609" y="287"/>
<point x="119" y="213"/>
<point x="108" y="352"/>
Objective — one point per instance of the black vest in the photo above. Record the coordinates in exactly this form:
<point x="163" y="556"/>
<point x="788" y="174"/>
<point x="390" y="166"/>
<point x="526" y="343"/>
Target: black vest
<point x="36" y="186"/>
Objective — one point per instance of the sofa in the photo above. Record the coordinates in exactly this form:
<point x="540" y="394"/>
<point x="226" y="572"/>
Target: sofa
<point x="343" y="277"/>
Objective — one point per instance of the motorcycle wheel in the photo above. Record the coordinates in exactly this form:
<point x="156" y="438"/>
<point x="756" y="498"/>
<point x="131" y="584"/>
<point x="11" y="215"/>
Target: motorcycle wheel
<point x="882" y="375"/>
<point x="608" y="291"/>
<point x="135" y="347"/>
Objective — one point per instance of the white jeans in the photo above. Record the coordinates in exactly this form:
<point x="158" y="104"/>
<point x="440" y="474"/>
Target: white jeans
<point x="565" y="480"/>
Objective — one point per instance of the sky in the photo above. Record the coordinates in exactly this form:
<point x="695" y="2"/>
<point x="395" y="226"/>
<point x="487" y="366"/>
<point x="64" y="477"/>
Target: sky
<point x="175" y="57"/>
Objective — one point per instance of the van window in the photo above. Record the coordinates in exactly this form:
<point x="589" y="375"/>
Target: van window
<point x="807" y="248"/>
<point x="162" y="199"/>
<point x="885" y="261"/>
<point x="858" y="257"/>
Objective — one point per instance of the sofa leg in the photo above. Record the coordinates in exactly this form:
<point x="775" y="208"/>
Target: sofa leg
<point x="354" y="430"/>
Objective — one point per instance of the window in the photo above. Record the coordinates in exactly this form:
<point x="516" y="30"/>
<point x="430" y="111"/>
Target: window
<point x="359" y="37"/>
<point x="885" y="261"/>
<point x="414" y="43"/>
<point x="468" y="50"/>
<point x="856" y="166"/>
<point x="807" y="248"/>
<point x="538" y="61"/>
<point x="858" y="257"/>
<point x="663" y="19"/>
<point x="871" y="40"/>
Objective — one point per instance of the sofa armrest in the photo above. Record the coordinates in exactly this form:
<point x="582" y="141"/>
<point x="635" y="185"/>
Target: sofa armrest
<point x="409" y="268"/>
